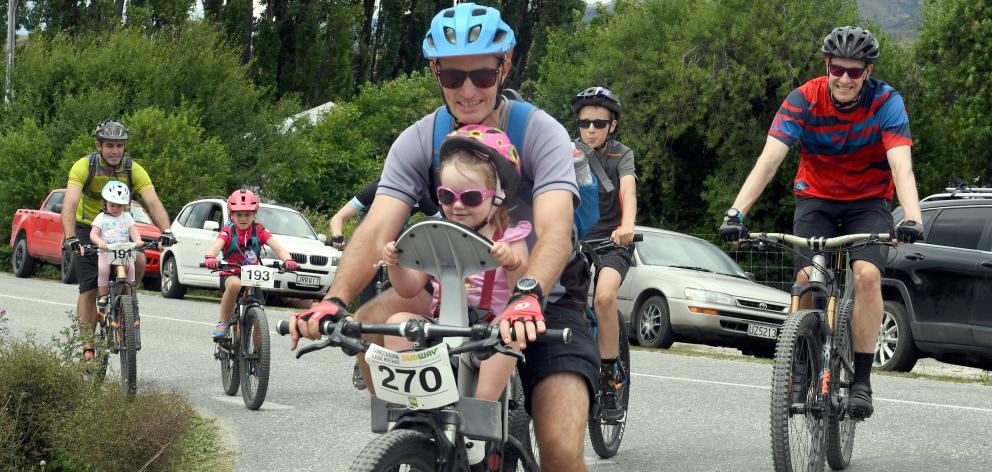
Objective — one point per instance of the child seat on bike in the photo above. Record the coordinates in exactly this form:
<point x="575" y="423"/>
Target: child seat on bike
<point x="451" y="252"/>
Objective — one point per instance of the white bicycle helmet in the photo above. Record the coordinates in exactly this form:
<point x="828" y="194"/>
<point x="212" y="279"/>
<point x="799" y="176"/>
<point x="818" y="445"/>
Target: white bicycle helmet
<point x="116" y="192"/>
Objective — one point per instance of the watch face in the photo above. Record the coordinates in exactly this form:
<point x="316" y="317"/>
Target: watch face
<point x="733" y="213"/>
<point x="526" y="283"/>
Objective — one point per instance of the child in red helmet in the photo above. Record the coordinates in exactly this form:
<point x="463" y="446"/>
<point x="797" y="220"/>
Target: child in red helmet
<point x="240" y="242"/>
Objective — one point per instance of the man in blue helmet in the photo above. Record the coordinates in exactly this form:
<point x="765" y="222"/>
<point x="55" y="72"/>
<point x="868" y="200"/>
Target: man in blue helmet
<point x="469" y="48"/>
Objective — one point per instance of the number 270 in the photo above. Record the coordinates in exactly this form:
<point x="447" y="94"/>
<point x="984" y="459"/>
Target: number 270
<point x="427" y="385"/>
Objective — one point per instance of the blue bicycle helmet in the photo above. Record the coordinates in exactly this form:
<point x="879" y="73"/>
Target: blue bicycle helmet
<point x="468" y="29"/>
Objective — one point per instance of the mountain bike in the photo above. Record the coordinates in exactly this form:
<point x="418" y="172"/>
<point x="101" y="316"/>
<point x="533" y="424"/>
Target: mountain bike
<point x="119" y="328"/>
<point x="244" y="352"/>
<point x="427" y="416"/>
<point x="814" y="358"/>
<point x="606" y="434"/>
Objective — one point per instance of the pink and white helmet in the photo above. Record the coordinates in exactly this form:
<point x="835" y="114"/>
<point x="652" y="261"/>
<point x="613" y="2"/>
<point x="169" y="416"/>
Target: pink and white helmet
<point x="494" y="145"/>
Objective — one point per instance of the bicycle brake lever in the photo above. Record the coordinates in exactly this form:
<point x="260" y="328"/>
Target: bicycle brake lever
<point x="502" y="349"/>
<point x="315" y="347"/>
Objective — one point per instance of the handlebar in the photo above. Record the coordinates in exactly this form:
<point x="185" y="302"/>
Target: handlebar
<point x="820" y="243"/>
<point x="276" y="264"/>
<point x="601" y="244"/>
<point x="483" y="338"/>
<point x="88" y="249"/>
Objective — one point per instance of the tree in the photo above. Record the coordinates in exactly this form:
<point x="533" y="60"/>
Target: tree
<point x="700" y="82"/>
<point x="952" y="112"/>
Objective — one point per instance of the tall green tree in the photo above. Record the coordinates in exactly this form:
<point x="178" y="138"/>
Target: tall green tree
<point x="700" y="82"/>
<point x="952" y="113"/>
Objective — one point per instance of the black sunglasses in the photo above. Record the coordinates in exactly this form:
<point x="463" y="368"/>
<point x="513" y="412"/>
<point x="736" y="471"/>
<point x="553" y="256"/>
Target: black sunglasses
<point x="599" y="124"/>
<point x="454" y="78"/>
<point x="854" y="73"/>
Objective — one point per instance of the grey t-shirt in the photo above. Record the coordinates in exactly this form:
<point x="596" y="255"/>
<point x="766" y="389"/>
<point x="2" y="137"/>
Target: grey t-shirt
<point x="545" y="159"/>
<point x="618" y="161"/>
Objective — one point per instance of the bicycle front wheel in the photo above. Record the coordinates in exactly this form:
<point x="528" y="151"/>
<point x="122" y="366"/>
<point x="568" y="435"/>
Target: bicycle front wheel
<point x="604" y="435"/>
<point x="128" y="350"/>
<point x="254" y="357"/>
<point x="798" y="418"/>
<point x="840" y="425"/>
<point x="399" y="449"/>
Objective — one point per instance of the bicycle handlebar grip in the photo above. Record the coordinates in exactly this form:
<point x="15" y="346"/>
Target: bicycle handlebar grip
<point x="282" y="327"/>
<point x="563" y="336"/>
<point x="638" y="237"/>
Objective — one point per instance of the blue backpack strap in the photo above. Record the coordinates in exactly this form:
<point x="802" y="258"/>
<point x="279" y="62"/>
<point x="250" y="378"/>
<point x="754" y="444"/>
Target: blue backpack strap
<point x="232" y="245"/>
<point x="254" y="241"/>
<point x="443" y="124"/>
<point x="519" y="116"/>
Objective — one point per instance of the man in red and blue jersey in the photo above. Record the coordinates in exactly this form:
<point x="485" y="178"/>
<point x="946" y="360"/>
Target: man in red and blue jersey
<point x="855" y="149"/>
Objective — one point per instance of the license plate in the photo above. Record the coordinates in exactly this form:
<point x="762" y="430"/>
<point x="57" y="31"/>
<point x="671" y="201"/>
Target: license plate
<point x="762" y="331"/>
<point x="307" y="281"/>
<point x="420" y="380"/>
<point x="258" y="276"/>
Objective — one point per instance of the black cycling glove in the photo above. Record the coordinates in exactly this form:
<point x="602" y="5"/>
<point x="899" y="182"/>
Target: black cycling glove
<point x="167" y="238"/>
<point x="733" y="230"/>
<point x="71" y="244"/>
<point x="909" y="231"/>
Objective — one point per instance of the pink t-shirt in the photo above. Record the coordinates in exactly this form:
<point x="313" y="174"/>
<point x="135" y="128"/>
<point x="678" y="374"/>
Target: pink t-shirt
<point x="501" y="291"/>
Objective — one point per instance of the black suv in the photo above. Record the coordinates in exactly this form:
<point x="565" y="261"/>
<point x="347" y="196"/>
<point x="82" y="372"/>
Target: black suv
<point x="938" y="294"/>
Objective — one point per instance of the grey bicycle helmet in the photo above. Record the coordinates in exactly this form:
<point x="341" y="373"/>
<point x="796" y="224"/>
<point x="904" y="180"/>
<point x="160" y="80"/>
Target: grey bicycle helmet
<point x="852" y="42"/>
<point x="597" y="96"/>
<point x="111" y="129"/>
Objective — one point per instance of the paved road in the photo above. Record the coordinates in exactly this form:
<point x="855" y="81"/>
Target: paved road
<point x="688" y="413"/>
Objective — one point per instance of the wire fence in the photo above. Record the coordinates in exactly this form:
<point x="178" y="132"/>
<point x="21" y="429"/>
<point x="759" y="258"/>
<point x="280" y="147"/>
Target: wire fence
<point x="772" y="266"/>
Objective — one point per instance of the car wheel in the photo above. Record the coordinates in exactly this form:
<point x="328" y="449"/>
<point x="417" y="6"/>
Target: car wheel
<point x="21" y="260"/>
<point x="653" y="324"/>
<point x="894" y="349"/>
<point x="68" y="267"/>
<point x="171" y="288"/>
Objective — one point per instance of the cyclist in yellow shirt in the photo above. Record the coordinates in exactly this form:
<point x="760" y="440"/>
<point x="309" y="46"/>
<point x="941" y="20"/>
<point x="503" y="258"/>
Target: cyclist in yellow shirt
<point x="83" y="202"/>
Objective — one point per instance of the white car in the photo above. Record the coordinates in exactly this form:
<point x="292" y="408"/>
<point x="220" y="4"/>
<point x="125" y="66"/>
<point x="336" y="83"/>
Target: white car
<point x="197" y="226"/>
<point x="682" y="287"/>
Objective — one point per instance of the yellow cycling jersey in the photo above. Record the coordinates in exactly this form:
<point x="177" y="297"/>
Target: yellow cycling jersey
<point x="90" y="203"/>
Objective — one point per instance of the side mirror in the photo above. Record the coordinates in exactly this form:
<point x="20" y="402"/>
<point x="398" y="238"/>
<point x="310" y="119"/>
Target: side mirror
<point x="211" y="226"/>
<point x="750" y="276"/>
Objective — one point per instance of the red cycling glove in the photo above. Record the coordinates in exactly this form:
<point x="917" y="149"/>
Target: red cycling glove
<point x="333" y="307"/>
<point x="523" y="307"/>
<point x="211" y="262"/>
<point x="291" y="265"/>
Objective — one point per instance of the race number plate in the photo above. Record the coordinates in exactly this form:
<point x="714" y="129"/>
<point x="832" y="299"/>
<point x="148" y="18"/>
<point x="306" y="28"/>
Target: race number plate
<point x="120" y="253"/>
<point x="307" y="281"/>
<point x="420" y="380"/>
<point x="258" y="276"/>
<point x="762" y="331"/>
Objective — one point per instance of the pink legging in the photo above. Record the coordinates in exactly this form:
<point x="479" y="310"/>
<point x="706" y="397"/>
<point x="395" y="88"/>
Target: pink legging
<point x="103" y="271"/>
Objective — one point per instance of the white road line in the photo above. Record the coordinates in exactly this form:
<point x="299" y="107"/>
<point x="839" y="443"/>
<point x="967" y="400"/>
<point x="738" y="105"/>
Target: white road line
<point x="763" y="387"/>
<point x="635" y="374"/>
<point x="265" y="406"/>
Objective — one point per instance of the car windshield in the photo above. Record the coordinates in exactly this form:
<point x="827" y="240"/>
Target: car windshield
<point x="688" y="253"/>
<point x="285" y="222"/>
<point x="139" y="215"/>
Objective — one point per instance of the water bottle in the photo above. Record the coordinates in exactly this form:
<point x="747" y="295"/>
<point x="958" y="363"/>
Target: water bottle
<point x="583" y="174"/>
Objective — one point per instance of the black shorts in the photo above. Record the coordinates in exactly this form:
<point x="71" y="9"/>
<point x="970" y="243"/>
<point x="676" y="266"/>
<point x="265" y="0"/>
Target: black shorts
<point x="829" y="218"/>
<point x="580" y="356"/>
<point x="86" y="266"/>
<point x="617" y="258"/>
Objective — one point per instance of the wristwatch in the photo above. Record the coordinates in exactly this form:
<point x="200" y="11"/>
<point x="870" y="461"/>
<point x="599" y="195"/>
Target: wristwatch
<point x="734" y="213"/>
<point x="529" y="285"/>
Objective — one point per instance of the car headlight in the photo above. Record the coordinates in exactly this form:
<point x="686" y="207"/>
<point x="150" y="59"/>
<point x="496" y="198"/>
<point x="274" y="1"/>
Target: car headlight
<point x="707" y="296"/>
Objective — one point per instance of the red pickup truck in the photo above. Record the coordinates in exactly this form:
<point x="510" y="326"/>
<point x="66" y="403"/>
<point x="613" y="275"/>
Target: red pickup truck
<point x="36" y="236"/>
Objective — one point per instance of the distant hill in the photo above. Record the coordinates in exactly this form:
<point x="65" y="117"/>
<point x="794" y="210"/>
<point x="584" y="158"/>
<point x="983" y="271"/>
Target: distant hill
<point x="899" y="18"/>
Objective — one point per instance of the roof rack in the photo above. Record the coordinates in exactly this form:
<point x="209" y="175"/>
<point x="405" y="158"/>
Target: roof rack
<point x="961" y="192"/>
